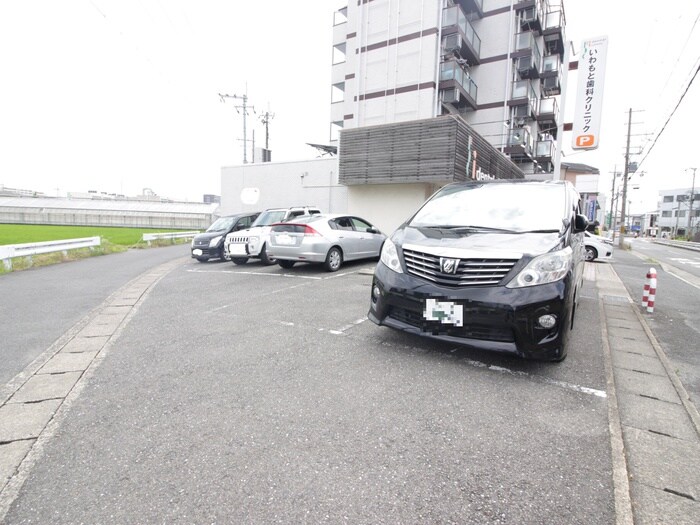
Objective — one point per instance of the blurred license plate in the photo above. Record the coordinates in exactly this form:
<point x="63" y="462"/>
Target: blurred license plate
<point x="444" y="312"/>
<point x="285" y="239"/>
<point x="196" y="252"/>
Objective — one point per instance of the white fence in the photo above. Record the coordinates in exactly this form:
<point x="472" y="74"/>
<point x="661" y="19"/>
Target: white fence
<point x="148" y="237"/>
<point x="10" y="251"/>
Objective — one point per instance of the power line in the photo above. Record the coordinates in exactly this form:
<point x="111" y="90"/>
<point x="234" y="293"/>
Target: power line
<point x="670" y="116"/>
<point x="668" y="78"/>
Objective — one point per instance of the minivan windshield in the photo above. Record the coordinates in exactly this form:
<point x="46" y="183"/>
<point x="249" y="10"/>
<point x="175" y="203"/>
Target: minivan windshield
<point x="520" y="207"/>
<point x="268" y="217"/>
<point x="221" y="224"/>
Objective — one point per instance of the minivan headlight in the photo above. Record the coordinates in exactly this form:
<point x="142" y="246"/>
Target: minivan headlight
<point x="547" y="268"/>
<point x="215" y="241"/>
<point x="390" y="256"/>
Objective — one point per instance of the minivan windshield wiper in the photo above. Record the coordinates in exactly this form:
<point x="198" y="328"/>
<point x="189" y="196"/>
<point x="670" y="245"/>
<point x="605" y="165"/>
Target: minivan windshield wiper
<point x="468" y="229"/>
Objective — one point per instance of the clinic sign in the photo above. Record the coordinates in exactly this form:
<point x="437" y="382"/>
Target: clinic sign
<point x="589" y="97"/>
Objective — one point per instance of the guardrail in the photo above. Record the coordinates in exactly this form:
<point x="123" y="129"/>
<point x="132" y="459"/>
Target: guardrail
<point x="695" y="246"/>
<point x="10" y="251"/>
<point x="148" y="237"/>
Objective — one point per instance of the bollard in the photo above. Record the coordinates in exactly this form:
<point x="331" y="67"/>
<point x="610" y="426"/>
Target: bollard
<point x="649" y="293"/>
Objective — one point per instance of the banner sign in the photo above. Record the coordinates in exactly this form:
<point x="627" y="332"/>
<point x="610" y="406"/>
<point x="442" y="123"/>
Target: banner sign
<point x="589" y="98"/>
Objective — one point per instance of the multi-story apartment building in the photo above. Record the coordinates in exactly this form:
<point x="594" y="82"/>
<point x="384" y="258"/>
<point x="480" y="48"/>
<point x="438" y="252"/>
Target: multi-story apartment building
<point x="677" y="211"/>
<point x="401" y="67"/>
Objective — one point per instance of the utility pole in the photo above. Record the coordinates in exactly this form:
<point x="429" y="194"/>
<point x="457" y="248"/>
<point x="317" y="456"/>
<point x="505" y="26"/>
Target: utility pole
<point x="245" y="108"/>
<point x="265" y="118"/>
<point x="611" y="222"/>
<point x="690" y="210"/>
<point x="621" y="243"/>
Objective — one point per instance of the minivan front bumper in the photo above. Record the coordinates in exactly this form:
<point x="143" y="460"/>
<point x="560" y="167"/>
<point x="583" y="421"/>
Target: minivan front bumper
<point x="495" y="318"/>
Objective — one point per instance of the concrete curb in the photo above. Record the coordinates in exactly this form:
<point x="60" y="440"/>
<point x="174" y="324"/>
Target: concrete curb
<point x="653" y="416"/>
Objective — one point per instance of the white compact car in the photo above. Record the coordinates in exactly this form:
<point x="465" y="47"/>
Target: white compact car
<point x="597" y="248"/>
<point x="253" y="242"/>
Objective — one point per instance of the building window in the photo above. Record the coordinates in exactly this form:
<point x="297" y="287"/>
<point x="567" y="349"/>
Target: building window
<point x="680" y="213"/>
<point x="681" y="198"/>
<point x="666" y="213"/>
<point x="668" y="198"/>
<point x="338" y="92"/>
<point x="335" y="129"/>
<point x="340" y="16"/>
<point x="339" y="53"/>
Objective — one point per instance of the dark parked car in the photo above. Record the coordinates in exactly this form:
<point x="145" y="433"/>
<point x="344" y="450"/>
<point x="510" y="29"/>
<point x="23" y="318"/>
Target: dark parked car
<point x="490" y="265"/>
<point x="210" y="244"/>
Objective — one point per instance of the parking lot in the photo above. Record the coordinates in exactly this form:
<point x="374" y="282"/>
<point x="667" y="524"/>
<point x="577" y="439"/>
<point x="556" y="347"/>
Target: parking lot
<point x="257" y="394"/>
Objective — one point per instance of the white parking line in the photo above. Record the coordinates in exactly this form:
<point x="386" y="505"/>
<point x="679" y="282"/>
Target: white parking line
<point x="341" y="331"/>
<point x="543" y="379"/>
<point x="312" y="277"/>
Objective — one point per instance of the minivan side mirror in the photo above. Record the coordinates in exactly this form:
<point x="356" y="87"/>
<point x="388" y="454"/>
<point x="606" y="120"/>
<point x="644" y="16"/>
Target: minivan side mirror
<point x="580" y="223"/>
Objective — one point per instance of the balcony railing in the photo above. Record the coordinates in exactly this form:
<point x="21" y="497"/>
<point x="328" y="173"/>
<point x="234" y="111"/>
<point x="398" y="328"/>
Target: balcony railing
<point x="551" y="65"/>
<point x="450" y="70"/>
<point x="526" y="41"/>
<point x="554" y="20"/>
<point x="522" y="89"/>
<point x="531" y="17"/>
<point x="553" y="32"/>
<point x="472" y="6"/>
<point x="519" y="142"/>
<point x="528" y="66"/>
<point x="548" y="110"/>
<point x="454" y="16"/>
<point x="545" y="149"/>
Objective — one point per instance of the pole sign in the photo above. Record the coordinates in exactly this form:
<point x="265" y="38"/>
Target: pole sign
<point x="589" y="98"/>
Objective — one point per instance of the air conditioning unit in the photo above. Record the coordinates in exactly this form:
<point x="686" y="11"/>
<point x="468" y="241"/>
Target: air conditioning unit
<point x="451" y="44"/>
<point x="551" y="86"/>
<point x="522" y="111"/>
<point x="450" y="96"/>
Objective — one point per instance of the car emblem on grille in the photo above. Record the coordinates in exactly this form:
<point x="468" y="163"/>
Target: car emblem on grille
<point x="448" y="265"/>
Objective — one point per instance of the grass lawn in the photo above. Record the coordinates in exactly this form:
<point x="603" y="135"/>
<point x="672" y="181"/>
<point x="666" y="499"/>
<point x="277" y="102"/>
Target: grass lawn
<point x="113" y="240"/>
<point x="26" y="233"/>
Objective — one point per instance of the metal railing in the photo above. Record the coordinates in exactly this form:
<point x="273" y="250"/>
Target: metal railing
<point x="11" y="251"/>
<point x="148" y="237"/>
<point x="688" y="245"/>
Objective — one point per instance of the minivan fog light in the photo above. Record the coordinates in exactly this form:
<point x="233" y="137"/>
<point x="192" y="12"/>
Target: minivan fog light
<point x="547" y="321"/>
<point x="376" y="292"/>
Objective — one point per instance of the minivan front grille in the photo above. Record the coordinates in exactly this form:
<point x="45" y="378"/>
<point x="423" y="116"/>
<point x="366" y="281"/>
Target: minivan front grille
<point x="483" y="332"/>
<point x="470" y="272"/>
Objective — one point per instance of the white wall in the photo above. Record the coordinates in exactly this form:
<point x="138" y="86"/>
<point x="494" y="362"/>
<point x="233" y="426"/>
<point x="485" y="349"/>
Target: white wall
<point x="310" y="182"/>
<point x="387" y="206"/>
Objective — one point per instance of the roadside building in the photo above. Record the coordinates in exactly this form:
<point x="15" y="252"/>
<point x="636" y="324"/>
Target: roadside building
<point x="586" y="180"/>
<point x="678" y="212"/>
<point x="117" y="212"/>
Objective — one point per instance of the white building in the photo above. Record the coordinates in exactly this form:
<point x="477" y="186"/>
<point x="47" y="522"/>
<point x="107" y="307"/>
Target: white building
<point x="675" y="212"/>
<point x="428" y="92"/>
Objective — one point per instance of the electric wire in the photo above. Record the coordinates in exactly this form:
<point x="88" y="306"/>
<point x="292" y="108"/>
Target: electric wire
<point x="670" y="116"/>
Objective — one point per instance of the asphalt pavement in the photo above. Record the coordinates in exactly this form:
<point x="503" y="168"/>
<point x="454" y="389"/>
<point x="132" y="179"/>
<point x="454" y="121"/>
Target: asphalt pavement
<point x="170" y="402"/>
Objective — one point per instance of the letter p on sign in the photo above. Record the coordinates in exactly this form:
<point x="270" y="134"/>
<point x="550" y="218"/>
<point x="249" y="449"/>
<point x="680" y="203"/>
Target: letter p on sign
<point x="585" y="142"/>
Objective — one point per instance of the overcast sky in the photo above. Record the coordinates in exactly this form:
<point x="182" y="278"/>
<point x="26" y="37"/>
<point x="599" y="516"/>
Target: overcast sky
<point x="122" y="95"/>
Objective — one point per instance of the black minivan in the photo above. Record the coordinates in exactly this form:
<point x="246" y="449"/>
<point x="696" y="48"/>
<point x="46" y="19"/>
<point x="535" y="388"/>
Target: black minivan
<point x="494" y="265"/>
<point x="210" y="244"/>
